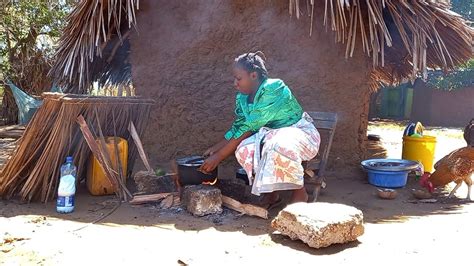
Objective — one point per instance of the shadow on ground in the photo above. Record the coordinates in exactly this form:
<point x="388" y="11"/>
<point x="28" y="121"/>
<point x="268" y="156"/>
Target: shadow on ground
<point x="300" y="246"/>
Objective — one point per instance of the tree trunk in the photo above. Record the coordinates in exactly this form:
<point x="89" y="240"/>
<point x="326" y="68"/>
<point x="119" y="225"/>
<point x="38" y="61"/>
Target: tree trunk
<point x="9" y="108"/>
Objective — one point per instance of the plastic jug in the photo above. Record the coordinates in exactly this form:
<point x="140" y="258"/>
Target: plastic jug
<point x="67" y="187"/>
<point x="97" y="182"/>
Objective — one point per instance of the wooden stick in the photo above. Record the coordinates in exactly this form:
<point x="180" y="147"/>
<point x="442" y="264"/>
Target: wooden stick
<point x="167" y="202"/>
<point x="176" y="201"/>
<point x="142" y="199"/>
<point x="139" y="145"/>
<point x="14" y="127"/>
<point x="247" y="209"/>
<point x="102" y="217"/>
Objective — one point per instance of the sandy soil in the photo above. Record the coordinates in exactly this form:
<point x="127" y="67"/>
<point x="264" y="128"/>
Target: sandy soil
<point x="397" y="232"/>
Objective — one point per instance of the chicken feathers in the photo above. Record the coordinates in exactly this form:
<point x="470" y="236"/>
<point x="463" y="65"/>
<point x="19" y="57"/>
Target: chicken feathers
<point x="454" y="167"/>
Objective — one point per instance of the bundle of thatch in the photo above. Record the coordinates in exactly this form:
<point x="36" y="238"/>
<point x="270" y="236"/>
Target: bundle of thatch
<point x="403" y="38"/>
<point x="97" y="30"/>
<point x="33" y="170"/>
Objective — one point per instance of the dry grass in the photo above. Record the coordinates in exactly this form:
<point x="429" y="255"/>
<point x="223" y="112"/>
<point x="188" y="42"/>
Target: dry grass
<point x="90" y="27"/>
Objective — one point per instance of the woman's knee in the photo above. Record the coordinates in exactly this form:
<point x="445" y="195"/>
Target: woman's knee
<point x="244" y="150"/>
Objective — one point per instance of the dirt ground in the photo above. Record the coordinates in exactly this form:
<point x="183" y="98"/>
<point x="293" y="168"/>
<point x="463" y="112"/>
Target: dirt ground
<point x="397" y="232"/>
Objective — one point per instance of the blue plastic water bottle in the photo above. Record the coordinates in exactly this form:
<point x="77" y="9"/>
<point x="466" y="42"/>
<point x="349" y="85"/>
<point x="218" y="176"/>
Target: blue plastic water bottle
<point x="67" y="187"/>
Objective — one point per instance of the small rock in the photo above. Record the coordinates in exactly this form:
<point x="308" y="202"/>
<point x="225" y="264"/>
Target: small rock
<point x="202" y="200"/>
<point x="320" y="224"/>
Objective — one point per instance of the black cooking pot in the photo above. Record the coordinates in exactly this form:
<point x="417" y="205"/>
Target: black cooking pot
<point x="241" y="174"/>
<point x="189" y="173"/>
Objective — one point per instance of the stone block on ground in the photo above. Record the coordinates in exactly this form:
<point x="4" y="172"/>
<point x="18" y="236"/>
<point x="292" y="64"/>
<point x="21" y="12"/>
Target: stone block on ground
<point x="320" y="224"/>
<point x="202" y="200"/>
<point x="149" y="183"/>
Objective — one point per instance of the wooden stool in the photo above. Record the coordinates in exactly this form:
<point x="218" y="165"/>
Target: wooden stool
<point x="314" y="169"/>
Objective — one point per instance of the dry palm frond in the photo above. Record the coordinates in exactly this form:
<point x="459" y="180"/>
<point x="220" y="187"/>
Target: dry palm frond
<point x="90" y="27"/>
<point x="404" y="38"/>
<point x="33" y="170"/>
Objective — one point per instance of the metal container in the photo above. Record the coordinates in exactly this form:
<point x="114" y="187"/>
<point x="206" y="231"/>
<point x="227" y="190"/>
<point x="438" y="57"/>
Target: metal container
<point x="390" y="165"/>
<point x="189" y="173"/>
<point x="389" y="173"/>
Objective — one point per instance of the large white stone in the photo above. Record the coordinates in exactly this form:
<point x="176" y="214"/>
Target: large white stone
<point x="320" y="224"/>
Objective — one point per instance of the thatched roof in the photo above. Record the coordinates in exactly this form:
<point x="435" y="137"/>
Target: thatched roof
<point x="97" y="32"/>
<point x="403" y="37"/>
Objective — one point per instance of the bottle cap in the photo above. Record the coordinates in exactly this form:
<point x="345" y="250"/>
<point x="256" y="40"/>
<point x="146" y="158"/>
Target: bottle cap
<point x="69" y="159"/>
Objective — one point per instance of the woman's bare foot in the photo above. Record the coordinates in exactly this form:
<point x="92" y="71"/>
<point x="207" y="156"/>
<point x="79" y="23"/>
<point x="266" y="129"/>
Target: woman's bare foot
<point x="299" y="195"/>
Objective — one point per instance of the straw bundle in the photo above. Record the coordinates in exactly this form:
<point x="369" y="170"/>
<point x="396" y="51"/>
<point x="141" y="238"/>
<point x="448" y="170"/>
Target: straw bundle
<point x="52" y="134"/>
<point x="420" y="33"/>
<point x="90" y="26"/>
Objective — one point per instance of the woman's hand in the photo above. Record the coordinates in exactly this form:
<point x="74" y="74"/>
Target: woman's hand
<point x="214" y="158"/>
<point x="210" y="163"/>
<point x="224" y="151"/>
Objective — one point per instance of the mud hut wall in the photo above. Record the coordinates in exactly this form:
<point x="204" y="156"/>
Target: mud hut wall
<point x="182" y="57"/>
<point x="436" y="107"/>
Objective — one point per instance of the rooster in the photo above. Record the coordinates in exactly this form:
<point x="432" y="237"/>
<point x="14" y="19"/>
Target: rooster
<point x="458" y="166"/>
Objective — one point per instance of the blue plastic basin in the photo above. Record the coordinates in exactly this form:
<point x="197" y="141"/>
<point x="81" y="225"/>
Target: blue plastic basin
<point x="388" y="179"/>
